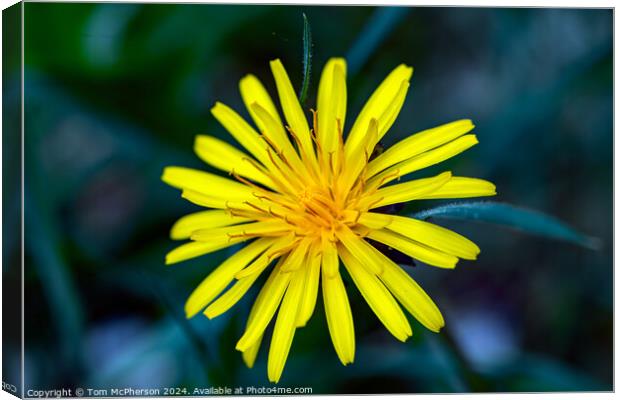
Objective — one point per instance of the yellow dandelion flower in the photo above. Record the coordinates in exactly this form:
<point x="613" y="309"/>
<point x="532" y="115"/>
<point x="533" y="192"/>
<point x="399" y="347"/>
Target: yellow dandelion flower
<point x="303" y="200"/>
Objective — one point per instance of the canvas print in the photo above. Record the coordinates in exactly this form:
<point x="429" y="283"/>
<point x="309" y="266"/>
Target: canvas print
<point x="226" y="199"/>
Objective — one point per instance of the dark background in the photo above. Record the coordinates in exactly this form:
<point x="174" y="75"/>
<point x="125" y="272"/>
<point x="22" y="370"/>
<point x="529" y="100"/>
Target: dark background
<point x="115" y="92"/>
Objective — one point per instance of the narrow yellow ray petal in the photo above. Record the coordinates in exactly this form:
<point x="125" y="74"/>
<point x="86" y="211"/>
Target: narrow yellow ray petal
<point x="210" y="201"/>
<point x="360" y="248"/>
<point x="461" y="187"/>
<point x="241" y="131"/>
<point x="236" y="292"/>
<point x="410" y="294"/>
<point x="263" y="228"/>
<point x="183" y="228"/>
<point x="377" y="296"/>
<point x="296" y="259"/>
<point x="206" y="183"/>
<point x="245" y="209"/>
<point x="350" y="217"/>
<point x="293" y="112"/>
<point x="426" y="159"/>
<point x="275" y="132"/>
<point x="375" y="220"/>
<point x="377" y="104"/>
<point x="229" y="298"/>
<point x="339" y="317"/>
<point x="280" y="246"/>
<point x="195" y="249"/>
<point x="225" y="157"/>
<point x="418" y="144"/>
<point x="331" y="104"/>
<point x="249" y="356"/>
<point x="220" y="277"/>
<point x="330" y="259"/>
<point x="434" y="236"/>
<point x="266" y="306"/>
<point x="389" y="115"/>
<point x="256" y="266"/>
<point x="253" y="92"/>
<point x="284" y="329"/>
<point x="359" y="157"/>
<point x="308" y="301"/>
<point x="284" y="162"/>
<point x="408" y="191"/>
<point x="414" y="249"/>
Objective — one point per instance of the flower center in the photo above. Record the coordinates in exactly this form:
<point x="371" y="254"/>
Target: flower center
<point x="319" y="210"/>
<point x="314" y="197"/>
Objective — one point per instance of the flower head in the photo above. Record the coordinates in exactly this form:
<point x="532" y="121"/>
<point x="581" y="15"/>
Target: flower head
<point x="303" y="199"/>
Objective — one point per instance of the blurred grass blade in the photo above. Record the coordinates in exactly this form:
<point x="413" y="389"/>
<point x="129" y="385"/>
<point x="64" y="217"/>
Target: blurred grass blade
<point x="307" y="61"/>
<point x="529" y="221"/>
<point x="451" y="366"/>
<point x="161" y="294"/>
<point x="65" y="305"/>
<point x="382" y="22"/>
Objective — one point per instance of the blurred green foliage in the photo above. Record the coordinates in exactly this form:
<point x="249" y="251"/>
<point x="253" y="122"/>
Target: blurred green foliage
<point x="507" y="215"/>
<point x="114" y="92"/>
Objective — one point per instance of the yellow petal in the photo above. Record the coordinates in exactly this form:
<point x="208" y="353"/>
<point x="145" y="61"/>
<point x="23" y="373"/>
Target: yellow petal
<point x="377" y="296"/>
<point x="253" y="92"/>
<point x="280" y="246"/>
<point x="232" y="296"/>
<point x="229" y="298"/>
<point x="217" y="280"/>
<point x="262" y="228"/>
<point x="418" y="144"/>
<point x="250" y="139"/>
<point x="403" y="192"/>
<point x="196" y="249"/>
<point x="460" y="187"/>
<point x="410" y="294"/>
<point x="414" y="249"/>
<point x="426" y="159"/>
<point x="293" y="112"/>
<point x="249" y="356"/>
<point x="359" y="157"/>
<point x="241" y="131"/>
<point x="308" y="300"/>
<point x="183" y="228"/>
<point x="339" y="318"/>
<point x="434" y="236"/>
<point x="209" y="201"/>
<point x="330" y="260"/>
<point x="375" y="220"/>
<point x="274" y="130"/>
<point x="206" y="183"/>
<point x="389" y="115"/>
<point x="360" y="248"/>
<point x="331" y="103"/>
<point x="380" y="101"/>
<point x="297" y="257"/>
<point x="222" y="155"/>
<point x="284" y="329"/>
<point x="266" y="305"/>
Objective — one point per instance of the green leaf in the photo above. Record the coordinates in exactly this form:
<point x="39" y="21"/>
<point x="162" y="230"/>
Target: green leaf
<point x="523" y="219"/>
<point x="307" y="60"/>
